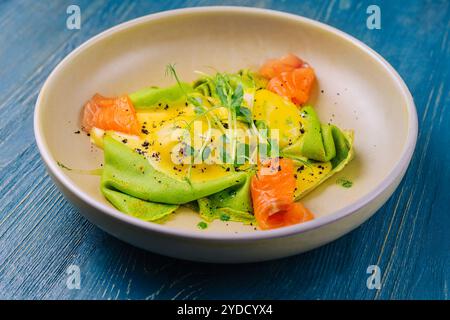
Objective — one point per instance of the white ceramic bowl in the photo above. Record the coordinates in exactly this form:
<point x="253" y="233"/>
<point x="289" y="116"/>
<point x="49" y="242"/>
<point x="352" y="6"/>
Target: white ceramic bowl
<point x="361" y="92"/>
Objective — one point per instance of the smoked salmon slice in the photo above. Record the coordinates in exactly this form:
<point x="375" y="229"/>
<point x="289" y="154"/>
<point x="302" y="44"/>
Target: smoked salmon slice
<point x="289" y="77"/>
<point x="274" y="67"/>
<point x="295" y="85"/>
<point x="273" y="196"/>
<point x="105" y="113"/>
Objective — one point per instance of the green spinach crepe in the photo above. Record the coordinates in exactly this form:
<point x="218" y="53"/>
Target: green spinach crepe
<point x="151" y="174"/>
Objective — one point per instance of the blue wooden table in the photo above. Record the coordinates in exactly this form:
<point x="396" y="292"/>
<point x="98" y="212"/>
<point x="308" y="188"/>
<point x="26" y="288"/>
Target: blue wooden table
<point x="41" y="234"/>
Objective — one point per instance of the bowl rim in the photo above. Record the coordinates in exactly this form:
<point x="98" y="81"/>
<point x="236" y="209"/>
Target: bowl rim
<point x="396" y="171"/>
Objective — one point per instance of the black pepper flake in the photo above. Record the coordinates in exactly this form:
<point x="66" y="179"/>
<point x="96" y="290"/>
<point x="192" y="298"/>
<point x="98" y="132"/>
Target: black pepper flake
<point x="124" y="140"/>
<point x="302" y="131"/>
<point x="140" y="151"/>
<point x="156" y="155"/>
<point x="166" y="107"/>
<point x="77" y="132"/>
<point x="88" y="134"/>
<point x="145" y="144"/>
<point x="300" y="168"/>
<point x="144" y="131"/>
<point x="227" y="169"/>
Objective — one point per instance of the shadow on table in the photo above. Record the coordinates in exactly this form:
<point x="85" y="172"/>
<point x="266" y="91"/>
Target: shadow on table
<point x="305" y="276"/>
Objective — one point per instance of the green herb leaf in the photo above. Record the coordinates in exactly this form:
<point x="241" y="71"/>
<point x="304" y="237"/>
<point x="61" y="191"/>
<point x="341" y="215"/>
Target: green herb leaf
<point x="63" y="166"/>
<point x="198" y="110"/>
<point x="245" y="114"/>
<point x="170" y="70"/>
<point x="237" y="97"/>
<point x="202" y="225"/>
<point x="261" y="124"/>
<point x="223" y="89"/>
<point x="197" y="102"/>
<point x="206" y="153"/>
<point x="344" y="182"/>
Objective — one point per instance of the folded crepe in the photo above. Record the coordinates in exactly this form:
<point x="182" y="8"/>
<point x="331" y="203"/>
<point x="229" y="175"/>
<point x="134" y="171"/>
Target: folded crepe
<point x="323" y="150"/>
<point x="135" y="187"/>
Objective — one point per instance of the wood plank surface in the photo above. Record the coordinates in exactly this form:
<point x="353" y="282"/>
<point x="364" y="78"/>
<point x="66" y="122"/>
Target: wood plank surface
<point x="41" y="234"/>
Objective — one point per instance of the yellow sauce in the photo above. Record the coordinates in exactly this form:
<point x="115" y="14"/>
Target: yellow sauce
<point x="279" y="113"/>
<point x="162" y="128"/>
<point x="308" y="176"/>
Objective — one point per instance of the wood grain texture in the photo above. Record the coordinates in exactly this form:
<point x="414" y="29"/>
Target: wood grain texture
<point x="41" y="233"/>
